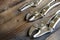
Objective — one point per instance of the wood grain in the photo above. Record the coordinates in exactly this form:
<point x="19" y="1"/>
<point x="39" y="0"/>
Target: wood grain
<point x="12" y="23"/>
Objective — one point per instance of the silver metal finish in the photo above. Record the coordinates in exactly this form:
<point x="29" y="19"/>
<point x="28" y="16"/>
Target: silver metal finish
<point x="38" y="14"/>
<point x="30" y="4"/>
<point x="45" y="28"/>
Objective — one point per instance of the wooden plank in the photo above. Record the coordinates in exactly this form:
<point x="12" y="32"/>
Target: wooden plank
<point x="5" y="4"/>
<point x="10" y="13"/>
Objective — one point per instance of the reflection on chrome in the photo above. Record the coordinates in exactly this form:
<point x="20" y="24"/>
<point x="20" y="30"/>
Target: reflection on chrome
<point x="45" y="28"/>
<point x="30" y="4"/>
<point x="38" y="14"/>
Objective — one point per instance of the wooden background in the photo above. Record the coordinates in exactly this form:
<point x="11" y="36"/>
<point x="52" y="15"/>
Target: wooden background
<point x="12" y="23"/>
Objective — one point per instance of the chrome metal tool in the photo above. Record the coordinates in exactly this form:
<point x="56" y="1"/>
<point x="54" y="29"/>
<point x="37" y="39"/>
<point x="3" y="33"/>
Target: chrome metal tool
<point x="30" y="4"/>
<point x="38" y="14"/>
<point x="39" y="30"/>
